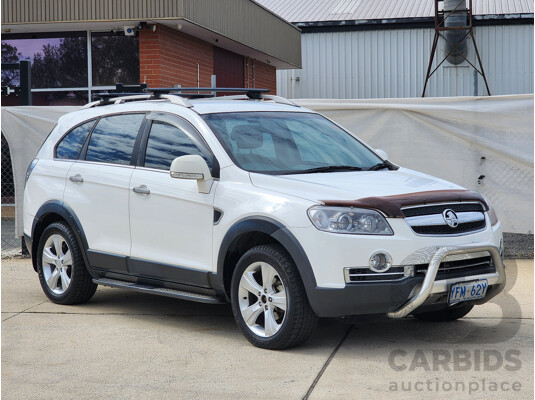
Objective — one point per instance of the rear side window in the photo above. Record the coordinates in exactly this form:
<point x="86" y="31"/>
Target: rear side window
<point x="70" y="146"/>
<point x="167" y="142"/>
<point x="112" y="140"/>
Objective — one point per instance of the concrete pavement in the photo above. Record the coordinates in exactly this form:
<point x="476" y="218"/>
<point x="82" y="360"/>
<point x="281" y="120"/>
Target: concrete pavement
<point x="126" y="345"/>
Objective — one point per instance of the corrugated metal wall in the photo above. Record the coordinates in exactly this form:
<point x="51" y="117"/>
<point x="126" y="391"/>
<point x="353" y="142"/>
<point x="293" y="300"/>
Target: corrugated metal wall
<point x="393" y="63"/>
<point x="39" y="11"/>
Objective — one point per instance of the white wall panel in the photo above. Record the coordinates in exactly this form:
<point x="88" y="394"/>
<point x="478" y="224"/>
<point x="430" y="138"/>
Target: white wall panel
<point x="393" y="63"/>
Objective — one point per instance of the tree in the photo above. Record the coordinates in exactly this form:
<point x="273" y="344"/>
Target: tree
<point x="115" y="59"/>
<point x="61" y="66"/>
<point x="46" y="68"/>
<point x="10" y="55"/>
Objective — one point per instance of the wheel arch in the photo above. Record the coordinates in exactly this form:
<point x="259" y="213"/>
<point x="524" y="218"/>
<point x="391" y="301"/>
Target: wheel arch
<point x="253" y="231"/>
<point x="55" y="211"/>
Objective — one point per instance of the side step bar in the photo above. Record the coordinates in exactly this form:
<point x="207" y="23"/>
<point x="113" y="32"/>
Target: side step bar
<point x="177" y="294"/>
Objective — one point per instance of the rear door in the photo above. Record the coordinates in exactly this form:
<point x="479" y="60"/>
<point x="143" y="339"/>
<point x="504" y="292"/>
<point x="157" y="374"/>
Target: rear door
<point x="98" y="189"/>
<point x="50" y="175"/>
<point x="171" y="222"/>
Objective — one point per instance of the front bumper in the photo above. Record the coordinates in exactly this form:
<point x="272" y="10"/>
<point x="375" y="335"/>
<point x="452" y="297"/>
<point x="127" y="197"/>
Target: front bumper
<point x="398" y="299"/>
<point x="430" y="286"/>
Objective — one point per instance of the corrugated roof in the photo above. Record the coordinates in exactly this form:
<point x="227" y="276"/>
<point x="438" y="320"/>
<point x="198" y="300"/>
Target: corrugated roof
<point x="343" y="10"/>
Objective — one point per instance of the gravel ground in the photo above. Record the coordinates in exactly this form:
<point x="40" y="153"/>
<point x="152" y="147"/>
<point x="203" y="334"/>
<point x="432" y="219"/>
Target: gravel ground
<point x="518" y="245"/>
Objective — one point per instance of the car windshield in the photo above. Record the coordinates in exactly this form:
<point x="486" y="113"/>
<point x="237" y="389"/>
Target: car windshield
<point x="289" y="143"/>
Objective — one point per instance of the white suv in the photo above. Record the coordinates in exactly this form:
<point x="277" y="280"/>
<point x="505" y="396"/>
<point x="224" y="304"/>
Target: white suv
<point x="255" y="201"/>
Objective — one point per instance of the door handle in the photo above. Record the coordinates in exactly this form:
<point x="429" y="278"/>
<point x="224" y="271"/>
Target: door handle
<point x="76" y="178"/>
<point x="141" y="189"/>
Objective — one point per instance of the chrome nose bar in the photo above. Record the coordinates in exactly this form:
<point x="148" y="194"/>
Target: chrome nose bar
<point x="430" y="276"/>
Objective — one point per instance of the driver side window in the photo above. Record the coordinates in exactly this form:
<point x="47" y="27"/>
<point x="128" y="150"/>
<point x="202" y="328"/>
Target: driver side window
<point x="167" y="142"/>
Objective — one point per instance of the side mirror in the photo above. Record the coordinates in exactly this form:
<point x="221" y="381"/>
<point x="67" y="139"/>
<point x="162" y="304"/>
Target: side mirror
<point x="192" y="167"/>
<point x="382" y="154"/>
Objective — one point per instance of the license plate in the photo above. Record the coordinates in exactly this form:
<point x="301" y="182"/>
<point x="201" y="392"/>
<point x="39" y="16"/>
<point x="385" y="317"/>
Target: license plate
<point x="468" y="291"/>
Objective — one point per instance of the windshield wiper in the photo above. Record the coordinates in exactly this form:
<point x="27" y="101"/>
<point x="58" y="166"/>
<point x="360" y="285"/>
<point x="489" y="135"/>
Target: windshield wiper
<point x="330" y="168"/>
<point x="382" y="165"/>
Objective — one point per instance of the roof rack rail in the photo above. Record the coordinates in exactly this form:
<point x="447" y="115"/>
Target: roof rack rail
<point x="251" y="93"/>
<point x="179" y="95"/>
<point x="113" y="98"/>
<point x="276" y="99"/>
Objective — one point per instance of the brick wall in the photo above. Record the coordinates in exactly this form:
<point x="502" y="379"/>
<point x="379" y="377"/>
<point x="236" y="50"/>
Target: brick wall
<point x="265" y="76"/>
<point x="168" y="57"/>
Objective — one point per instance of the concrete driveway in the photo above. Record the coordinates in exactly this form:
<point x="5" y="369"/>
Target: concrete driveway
<point x="125" y="345"/>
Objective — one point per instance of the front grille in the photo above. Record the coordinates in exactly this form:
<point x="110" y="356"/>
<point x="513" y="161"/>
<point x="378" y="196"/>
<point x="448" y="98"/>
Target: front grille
<point x="459" y="268"/>
<point x="438" y="209"/>
<point x="367" y="275"/>
<point x="431" y="219"/>
<point x="446" y="230"/>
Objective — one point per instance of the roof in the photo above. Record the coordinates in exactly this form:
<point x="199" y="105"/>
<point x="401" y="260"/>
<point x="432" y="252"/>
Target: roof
<point x="241" y="26"/>
<point x="342" y="10"/>
<point x="209" y="106"/>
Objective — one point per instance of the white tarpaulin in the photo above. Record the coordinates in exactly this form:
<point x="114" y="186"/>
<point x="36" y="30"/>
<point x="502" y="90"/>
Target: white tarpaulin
<point x="459" y="139"/>
<point x="25" y="129"/>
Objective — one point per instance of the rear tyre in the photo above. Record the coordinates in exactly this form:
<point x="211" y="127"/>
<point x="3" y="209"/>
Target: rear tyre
<point x="61" y="268"/>
<point x="448" y="314"/>
<point x="269" y="300"/>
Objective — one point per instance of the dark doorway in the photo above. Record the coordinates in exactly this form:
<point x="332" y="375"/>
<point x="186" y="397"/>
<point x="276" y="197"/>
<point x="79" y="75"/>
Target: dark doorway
<point x="228" y="69"/>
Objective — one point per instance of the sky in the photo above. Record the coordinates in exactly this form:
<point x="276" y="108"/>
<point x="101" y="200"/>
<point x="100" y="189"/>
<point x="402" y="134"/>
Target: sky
<point x="28" y="47"/>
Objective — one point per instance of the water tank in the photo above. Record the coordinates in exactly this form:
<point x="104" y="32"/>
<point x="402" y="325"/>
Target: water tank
<point x="455" y="15"/>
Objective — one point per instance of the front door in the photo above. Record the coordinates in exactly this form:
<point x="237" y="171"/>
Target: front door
<point x="171" y="222"/>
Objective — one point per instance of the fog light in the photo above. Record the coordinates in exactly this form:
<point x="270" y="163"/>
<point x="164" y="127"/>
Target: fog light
<point x="380" y="262"/>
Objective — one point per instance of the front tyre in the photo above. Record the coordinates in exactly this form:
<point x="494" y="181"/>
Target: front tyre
<point x="60" y="265"/>
<point x="269" y="300"/>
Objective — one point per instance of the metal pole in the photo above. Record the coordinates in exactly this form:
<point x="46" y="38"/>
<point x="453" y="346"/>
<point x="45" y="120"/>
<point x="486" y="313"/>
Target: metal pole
<point x="479" y="60"/>
<point x="433" y="49"/>
<point x="89" y="67"/>
<point x="25" y="83"/>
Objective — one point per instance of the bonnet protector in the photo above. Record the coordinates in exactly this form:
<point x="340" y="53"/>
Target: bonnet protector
<point x="391" y="205"/>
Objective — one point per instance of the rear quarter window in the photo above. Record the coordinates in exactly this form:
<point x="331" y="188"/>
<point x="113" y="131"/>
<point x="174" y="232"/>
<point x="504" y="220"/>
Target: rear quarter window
<point x="70" y="146"/>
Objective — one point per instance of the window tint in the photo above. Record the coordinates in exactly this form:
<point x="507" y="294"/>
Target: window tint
<point x="70" y="146"/>
<point x="167" y="142"/>
<point x="113" y="139"/>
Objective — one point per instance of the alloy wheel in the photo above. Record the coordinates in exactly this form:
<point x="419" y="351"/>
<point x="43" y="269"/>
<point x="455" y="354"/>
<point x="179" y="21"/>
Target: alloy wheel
<point x="57" y="264"/>
<point x="262" y="299"/>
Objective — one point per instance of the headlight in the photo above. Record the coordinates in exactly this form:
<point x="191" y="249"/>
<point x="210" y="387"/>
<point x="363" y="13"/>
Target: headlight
<point x="349" y="220"/>
<point x="492" y="216"/>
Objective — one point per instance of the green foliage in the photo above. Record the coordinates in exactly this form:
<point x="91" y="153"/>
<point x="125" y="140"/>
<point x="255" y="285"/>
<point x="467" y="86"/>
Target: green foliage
<point x="61" y="66"/>
<point x="10" y="54"/>
<point x="115" y="59"/>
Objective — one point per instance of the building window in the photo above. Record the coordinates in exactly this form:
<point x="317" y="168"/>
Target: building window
<point x="57" y="62"/>
<point x="115" y="59"/>
<point x="61" y="74"/>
